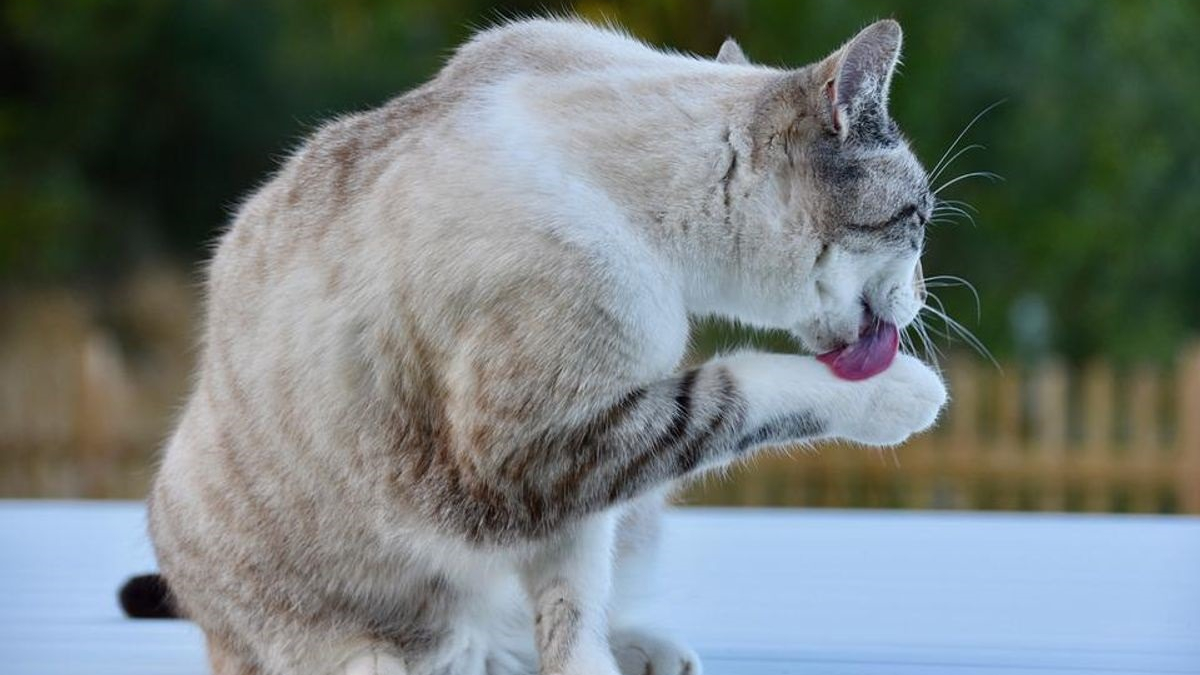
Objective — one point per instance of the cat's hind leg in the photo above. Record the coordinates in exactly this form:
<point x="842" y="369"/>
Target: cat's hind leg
<point x="224" y="660"/>
<point x="314" y="651"/>
<point x="639" y="647"/>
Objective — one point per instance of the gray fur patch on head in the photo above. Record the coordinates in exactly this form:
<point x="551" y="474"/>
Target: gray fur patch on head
<point x="873" y="128"/>
<point x="876" y="198"/>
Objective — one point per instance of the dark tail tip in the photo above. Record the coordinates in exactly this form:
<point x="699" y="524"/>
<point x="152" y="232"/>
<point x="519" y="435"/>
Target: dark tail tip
<point x="146" y="596"/>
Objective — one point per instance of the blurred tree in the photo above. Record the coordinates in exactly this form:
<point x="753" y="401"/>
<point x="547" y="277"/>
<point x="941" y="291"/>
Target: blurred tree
<point x="130" y="128"/>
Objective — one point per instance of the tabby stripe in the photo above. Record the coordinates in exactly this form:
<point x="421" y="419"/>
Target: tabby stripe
<point x="726" y="399"/>
<point x="623" y="407"/>
<point x="683" y="412"/>
<point x="670" y="437"/>
<point x="593" y="442"/>
<point x="793" y="427"/>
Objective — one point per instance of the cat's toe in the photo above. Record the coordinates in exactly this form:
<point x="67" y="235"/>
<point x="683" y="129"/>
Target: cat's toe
<point x="640" y="652"/>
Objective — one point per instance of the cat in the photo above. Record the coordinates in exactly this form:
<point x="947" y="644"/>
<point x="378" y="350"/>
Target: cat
<point x="440" y="401"/>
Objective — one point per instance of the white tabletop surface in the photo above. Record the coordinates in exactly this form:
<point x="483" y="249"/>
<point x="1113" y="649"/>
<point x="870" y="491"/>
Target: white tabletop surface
<point x="756" y="592"/>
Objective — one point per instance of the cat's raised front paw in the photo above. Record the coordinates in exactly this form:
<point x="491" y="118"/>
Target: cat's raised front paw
<point x="903" y="400"/>
<point x="639" y="652"/>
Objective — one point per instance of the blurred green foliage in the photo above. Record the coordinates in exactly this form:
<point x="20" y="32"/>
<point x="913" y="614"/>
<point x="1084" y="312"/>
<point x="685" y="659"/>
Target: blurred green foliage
<point x="130" y="128"/>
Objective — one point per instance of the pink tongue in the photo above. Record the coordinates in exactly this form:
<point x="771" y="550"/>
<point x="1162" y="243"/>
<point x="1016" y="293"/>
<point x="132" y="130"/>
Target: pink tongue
<point x="872" y="354"/>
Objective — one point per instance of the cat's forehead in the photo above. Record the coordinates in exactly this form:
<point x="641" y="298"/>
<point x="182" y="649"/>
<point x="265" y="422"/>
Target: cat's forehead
<point x="895" y="169"/>
<point x="866" y="184"/>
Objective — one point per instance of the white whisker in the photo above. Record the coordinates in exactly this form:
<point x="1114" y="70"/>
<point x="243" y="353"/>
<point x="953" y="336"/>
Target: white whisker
<point x="935" y="298"/>
<point x="895" y="457"/>
<point x="906" y="345"/>
<point x="960" y="153"/>
<point x="959" y="203"/>
<point x="948" y="281"/>
<point x="966" y="335"/>
<point x="938" y="167"/>
<point x="974" y="174"/>
<point x="954" y="210"/>
<point x="920" y="330"/>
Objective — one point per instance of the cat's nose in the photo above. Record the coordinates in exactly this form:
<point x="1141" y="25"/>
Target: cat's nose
<point x="919" y="284"/>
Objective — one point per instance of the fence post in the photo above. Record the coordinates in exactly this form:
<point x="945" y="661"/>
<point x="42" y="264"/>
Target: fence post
<point x="103" y="415"/>
<point x="963" y="433"/>
<point x="1004" y="457"/>
<point x="1188" y="420"/>
<point x="1097" y="456"/>
<point x="1143" y="455"/>
<point x="918" y="471"/>
<point x="1050" y="434"/>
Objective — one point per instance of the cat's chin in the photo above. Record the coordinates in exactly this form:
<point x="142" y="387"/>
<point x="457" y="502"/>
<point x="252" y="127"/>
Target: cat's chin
<point x="810" y="345"/>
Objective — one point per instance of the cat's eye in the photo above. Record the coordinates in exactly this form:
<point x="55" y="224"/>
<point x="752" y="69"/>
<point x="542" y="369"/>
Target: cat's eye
<point x="906" y="215"/>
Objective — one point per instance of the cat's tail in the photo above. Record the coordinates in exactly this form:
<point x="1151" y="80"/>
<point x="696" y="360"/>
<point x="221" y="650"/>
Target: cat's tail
<point x="147" y="596"/>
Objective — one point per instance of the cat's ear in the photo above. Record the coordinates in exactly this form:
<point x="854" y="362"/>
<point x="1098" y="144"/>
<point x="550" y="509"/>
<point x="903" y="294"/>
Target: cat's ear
<point x="859" y="75"/>
<point x="842" y="93"/>
<point x="731" y="52"/>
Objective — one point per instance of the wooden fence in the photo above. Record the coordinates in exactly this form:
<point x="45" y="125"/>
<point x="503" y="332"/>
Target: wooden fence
<point x="89" y="389"/>
<point x="82" y="414"/>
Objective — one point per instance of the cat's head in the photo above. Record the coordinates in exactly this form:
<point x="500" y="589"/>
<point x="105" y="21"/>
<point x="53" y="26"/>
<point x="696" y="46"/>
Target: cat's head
<point x="834" y="204"/>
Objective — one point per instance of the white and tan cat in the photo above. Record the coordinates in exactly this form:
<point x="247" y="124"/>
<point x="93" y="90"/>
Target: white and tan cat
<point x="438" y="405"/>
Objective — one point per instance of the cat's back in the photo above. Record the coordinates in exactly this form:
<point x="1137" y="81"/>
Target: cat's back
<point x="531" y="49"/>
<point x="402" y="147"/>
<point x="345" y="154"/>
<point x="547" y="47"/>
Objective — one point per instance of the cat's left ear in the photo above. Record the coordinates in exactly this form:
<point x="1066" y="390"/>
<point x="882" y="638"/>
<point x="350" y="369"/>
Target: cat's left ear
<point x="859" y="75"/>
<point x="731" y="52"/>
